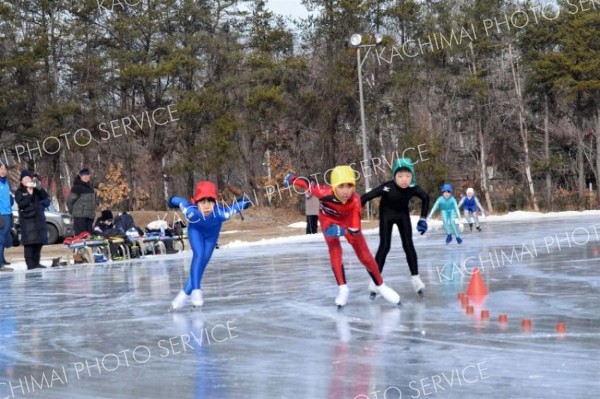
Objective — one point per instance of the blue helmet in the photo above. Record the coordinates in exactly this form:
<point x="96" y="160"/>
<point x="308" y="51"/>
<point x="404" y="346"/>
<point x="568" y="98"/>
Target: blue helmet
<point x="447" y="187"/>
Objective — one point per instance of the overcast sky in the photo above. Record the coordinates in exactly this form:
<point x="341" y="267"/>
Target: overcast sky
<point x="292" y="8"/>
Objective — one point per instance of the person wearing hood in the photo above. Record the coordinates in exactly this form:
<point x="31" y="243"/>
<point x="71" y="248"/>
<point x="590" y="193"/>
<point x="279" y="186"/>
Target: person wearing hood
<point x="394" y="210"/>
<point x="6" y="201"/>
<point x="82" y="203"/>
<point x="448" y="207"/>
<point x="32" y="200"/>
<point x="339" y="215"/>
<point x="205" y="218"/>
<point x="470" y="204"/>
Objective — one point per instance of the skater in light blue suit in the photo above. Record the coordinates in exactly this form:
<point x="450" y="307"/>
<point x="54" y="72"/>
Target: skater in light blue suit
<point x="449" y="210"/>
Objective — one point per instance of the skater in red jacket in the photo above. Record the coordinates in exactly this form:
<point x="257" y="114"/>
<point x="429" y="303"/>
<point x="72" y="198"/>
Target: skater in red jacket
<point x="339" y="215"/>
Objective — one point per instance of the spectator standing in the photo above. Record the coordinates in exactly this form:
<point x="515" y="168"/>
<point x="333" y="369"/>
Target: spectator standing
<point x="82" y="203"/>
<point x="312" y="213"/>
<point x="32" y="200"/>
<point x="6" y="217"/>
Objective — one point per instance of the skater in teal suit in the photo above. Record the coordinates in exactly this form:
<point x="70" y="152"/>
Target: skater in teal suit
<point x="449" y="210"/>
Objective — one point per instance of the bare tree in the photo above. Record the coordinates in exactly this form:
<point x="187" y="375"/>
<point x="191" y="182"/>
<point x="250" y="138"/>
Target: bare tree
<point x="523" y="131"/>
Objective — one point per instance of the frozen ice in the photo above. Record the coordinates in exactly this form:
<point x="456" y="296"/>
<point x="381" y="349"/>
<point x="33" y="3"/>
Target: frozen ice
<point x="269" y="327"/>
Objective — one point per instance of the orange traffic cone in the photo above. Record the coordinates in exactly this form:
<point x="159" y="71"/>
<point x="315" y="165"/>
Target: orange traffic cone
<point x="477" y="287"/>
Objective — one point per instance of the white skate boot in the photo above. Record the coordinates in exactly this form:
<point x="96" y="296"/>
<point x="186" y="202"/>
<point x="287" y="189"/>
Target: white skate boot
<point x="179" y="301"/>
<point x="372" y="290"/>
<point x="389" y="294"/>
<point x="418" y="285"/>
<point x="197" y="300"/>
<point x="342" y="298"/>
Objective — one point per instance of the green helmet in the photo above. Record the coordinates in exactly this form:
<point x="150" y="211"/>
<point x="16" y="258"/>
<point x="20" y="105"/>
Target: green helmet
<point x="405" y="164"/>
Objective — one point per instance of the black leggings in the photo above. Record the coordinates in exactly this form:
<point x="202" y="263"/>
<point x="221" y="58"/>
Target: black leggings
<point x="312" y="224"/>
<point x="386" y="223"/>
<point x="33" y="254"/>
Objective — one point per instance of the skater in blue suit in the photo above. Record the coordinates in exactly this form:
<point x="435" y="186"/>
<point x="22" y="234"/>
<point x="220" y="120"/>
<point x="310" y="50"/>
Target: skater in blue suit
<point x="205" y="218"/>
<point x="449" y="210"/>
<point x="470" y="204"/>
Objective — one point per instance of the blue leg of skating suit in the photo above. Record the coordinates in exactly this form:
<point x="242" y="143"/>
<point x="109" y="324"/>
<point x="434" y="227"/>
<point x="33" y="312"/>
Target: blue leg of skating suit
<point x="446" y="222"/>
<point x="202" y="249"/>
<point x="449" y="225"/>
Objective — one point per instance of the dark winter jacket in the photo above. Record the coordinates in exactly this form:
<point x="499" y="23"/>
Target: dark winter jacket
<point x="124" y="222"/>
<point x="31" y="215"/>
<point x="82" y="200"/>
<point x="104" y="225"/>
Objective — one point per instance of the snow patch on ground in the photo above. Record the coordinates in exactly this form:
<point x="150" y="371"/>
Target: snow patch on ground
<point x="297" y="225"/>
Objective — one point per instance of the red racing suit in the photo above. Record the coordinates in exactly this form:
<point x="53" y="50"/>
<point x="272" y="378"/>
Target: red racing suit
<point x="346" y="215"/>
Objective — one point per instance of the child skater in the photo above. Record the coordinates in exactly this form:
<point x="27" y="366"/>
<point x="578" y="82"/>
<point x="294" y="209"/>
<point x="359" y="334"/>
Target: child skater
<point x="393" y="210"/>
<point x="205" y="219"/>
<point x="449" y="210"/>
<point x="470" y="203"/>
<point x="339" y="215"/>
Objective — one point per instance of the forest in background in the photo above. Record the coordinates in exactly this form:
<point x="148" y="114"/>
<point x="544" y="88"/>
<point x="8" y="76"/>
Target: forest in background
<point x="154" y="95"/>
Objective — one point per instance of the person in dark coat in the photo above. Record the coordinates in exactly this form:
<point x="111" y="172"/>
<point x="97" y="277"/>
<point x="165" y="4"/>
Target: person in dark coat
<point x="104" y="224"/>
<point x="32" y="200"/>
<point x="124" y="223"/>
<point x="82" y="203"/>
<point x="312" y="213"/>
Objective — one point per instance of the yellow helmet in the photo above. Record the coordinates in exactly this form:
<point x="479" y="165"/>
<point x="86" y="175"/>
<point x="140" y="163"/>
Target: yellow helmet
<point x="341" y="175"/>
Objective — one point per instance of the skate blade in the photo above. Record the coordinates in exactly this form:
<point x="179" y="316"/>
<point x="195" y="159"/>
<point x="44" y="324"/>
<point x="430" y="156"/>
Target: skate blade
<point x="399" y="304"/>
<point x="372" y="295"/>
<point x="340" y="308"/>
<point x="196" y="307"/>
<point x="421" y="294"/>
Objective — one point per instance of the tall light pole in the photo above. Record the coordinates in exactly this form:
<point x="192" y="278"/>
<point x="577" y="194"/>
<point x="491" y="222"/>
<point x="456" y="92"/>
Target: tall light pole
<point x="356" y="42"/>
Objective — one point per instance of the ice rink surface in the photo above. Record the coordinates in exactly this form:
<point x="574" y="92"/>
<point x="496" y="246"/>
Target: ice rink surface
<point x="269" y="327"/>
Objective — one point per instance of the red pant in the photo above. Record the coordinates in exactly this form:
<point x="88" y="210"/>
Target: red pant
<point x="362" y="252"/>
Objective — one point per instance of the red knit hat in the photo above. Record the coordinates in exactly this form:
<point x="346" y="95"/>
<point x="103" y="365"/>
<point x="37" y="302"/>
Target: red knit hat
<point x="204" y="189"/>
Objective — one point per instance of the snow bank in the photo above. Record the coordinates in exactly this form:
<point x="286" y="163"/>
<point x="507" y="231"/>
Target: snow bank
<point x="434" y="225"/>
